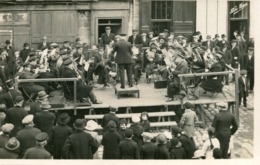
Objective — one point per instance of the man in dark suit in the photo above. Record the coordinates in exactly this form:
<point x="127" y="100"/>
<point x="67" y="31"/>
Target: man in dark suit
<point x="236" y="55"/>
<point x="242" y="47"/>
<point x="25" y="52"/>
<point x="8" y="98"/>
<point x="26" y="136"/>
<point x="209" y="44"/>
<point x="44" y="44"/>
<point x="44" y="120"/>
<point x="124" y="60"/>
<point x="80" y="145"/>
<point x="10" y="58"/>
<point x="227" y="57"/>
<point x="243" y="87"/>
<point x="15" y="115"/>
<point x="110" y="116"/>
<point x="173" y="86"/>
<point x="145" y="40"/>
<point x="251" y="69"/>
<point x="107" y="37"/>
<point x="225" y="125"/>
<point x="38" y="152"/>
<point x="223" y="42"/>
<point x="135" y="39"/>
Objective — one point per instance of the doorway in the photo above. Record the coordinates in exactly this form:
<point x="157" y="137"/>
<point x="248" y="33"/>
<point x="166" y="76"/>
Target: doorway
<point x="239" y="25"/>
<point x="115" y="24"/>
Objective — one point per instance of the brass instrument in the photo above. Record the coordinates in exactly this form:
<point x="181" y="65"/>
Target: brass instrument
<point x="79" y="76"/>
<point x="196" y="55"/>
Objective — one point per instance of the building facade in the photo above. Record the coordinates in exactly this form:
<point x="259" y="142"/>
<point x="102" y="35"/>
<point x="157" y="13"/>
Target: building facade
<point x="60" y="20"/>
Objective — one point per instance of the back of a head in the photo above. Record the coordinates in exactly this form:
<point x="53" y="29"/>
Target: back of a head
<point x="217" y="153"/>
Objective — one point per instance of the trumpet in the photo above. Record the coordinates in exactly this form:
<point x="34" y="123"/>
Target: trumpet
<point x="78" y="75"/>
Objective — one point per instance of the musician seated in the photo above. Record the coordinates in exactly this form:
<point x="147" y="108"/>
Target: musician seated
<point x="27" y="73"/>
<point x="173" y="87"/>
<point x="137" y="63"/>
<point x="83" y="91"/>
<point x="211" y="83"/>
<point x="151" y="65"/>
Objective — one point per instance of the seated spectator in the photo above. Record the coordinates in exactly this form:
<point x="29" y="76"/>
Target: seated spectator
<point x="10" y="151"/>
<point x="148" y="149"/>
<point x="176" y="150"/>
<point x="128" y="149"/>
<point x="6" y="130"/>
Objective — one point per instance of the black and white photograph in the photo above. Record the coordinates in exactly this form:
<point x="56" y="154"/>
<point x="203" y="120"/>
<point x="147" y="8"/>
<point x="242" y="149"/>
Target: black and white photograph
<point x="127" y="80"/>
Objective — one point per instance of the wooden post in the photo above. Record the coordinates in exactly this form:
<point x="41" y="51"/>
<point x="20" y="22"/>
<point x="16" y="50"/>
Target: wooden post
<point x="237" y="96"/>
<point x="75" y="97"/>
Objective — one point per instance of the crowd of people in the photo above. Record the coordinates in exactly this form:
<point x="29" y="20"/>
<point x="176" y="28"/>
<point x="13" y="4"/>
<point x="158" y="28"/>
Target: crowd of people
<point x="28" y="136"/>
<point x="37" y="134"/>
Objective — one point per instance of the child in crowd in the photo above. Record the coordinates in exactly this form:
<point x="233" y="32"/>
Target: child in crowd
<point x="147" y="151"/>
<point x="168" y="136"/>
<point x="145" y="122"/>
<point x="137" y="130"/>
<point x="176" y="150"/>
<point x="128" y="149"/>
<point x="210" y="144"/>
<point x="243" y="88"/>
<point x="162" y="151"/>
<point x="123" y="126"/>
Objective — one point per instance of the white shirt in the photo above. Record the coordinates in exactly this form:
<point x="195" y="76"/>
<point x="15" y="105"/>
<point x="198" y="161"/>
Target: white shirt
<point x="206" y="147"/>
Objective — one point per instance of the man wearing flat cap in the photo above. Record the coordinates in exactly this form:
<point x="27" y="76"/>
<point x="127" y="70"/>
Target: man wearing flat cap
<point x="107" y="37"/>
<point x="38" y="152"/>
<point x="188" y="119"/>
<point x="6" y="130"/>
<point x="225" y="125"/>
<point x="110" y="116"/>
<point x="8" y="98"/>
<point x="135" y="38"/>
<point x="26" y="136"/>
<point x="15" y="115"/>
<point x="148" y="149"/>
<point x="85" y="149"/>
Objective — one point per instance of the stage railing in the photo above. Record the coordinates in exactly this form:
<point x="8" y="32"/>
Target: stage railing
<point x="17" y="81"/>
<point x="234" y="71"/>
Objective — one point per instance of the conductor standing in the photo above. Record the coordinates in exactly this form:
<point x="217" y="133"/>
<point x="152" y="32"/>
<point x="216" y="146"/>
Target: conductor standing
<point x="124" y="60"/>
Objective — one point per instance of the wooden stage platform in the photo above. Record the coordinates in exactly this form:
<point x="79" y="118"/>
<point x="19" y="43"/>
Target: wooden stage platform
<point x="149" y="96"/>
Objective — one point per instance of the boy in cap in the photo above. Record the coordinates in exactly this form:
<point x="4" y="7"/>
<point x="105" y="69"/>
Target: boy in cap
<point x="110" y="141"/>
<point x="148" y="149"/>
<point x="162" y="151"/>
<point x="38" y="152"/>
<point x="123" y="126"/>
<point x="10" y="149"/>
<point x="176" y="150"/>
<point x="59" y="134"/>
<point x="110" y="116"/>
<point x="243" y="88"/>
<point x="26" y="136"/>
<point x="6" y="130"/>
<point x="188" y="120"/>
<point x="87" y="147"/>
<point x="15" y="115"/>
<point x="128" y="149"/>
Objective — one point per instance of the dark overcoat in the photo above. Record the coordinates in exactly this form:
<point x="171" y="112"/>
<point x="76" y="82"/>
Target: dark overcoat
<point x="107" y="118"/>
<point x="26" y="137"/>
<point x="37" y="153"/>
<point x="188" y="145"/>
<point x="106" y="39"/>
<point x="3" y="140"/>
<point x="136" y="41"/>
<point x="6" y="154"/>
<point x="124" y="52"/>
<point x="8" y="98"/>
<point x="80" y="145"/>
<point x="177" y="153"/>
<point x="147" y="151"/>
<point x="44" y="121"/>
<point x="162" y="152"/>
<point x="110" y="141"/>
<point x="128" y="149"/>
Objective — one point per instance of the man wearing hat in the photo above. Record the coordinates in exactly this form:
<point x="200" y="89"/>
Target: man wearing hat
<point x="26" y="136"/>
<point x="15" y="115"/>
<point x="110" y="141"/>
<point x="236" y="55"/>
<point x="209" y="43"/>
<point x="59" y="134"/>
<point x="148" y="149"/>
<point x="124" y="60"/>
<point x="138" y="129"/>
<point x="38" y="152"/>
<point x="8" y="98"/>
<point x="44" y="120"/>
<point x="44" y="43"/>
<point x="186" y="142"/>
<point x="83" y="91"/>
<point x="251" y="69"/>
<point x="145" y="40"/>
<point x="223" y="42"/>
<point x="6" y="130"/>
<point x="85" y="149"/>
<point x="10" y="58"/>
<point x="110" y="116"/>
<point x="135" y="38"/>
<point x="181" y="68"/>
<point x="9" y="151"/>
<point x="106" y="37"/>
<point x="162" y="151"/>
<point x="188" y="120"/>
<point x="42" y="98"/>
<point x="25" y="52"/>
<point x="128" y="149"/>
<point x="65" y="46"/>
<point x="243" y="87"/>
<point x="225" y="125"/>
<point x="227" y="57"/>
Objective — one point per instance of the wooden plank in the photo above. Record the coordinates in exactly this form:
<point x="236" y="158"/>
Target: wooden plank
<point x="151" y="114"/>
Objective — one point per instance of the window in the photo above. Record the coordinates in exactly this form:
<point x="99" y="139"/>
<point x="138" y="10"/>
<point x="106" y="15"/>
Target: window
<point x="161" y="9"/>
<point x="14" y="18"/>
<point x="239" y="9"/>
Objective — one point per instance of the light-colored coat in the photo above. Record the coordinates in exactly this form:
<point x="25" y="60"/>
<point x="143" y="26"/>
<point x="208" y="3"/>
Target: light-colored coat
<point x="187" y="122"/>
